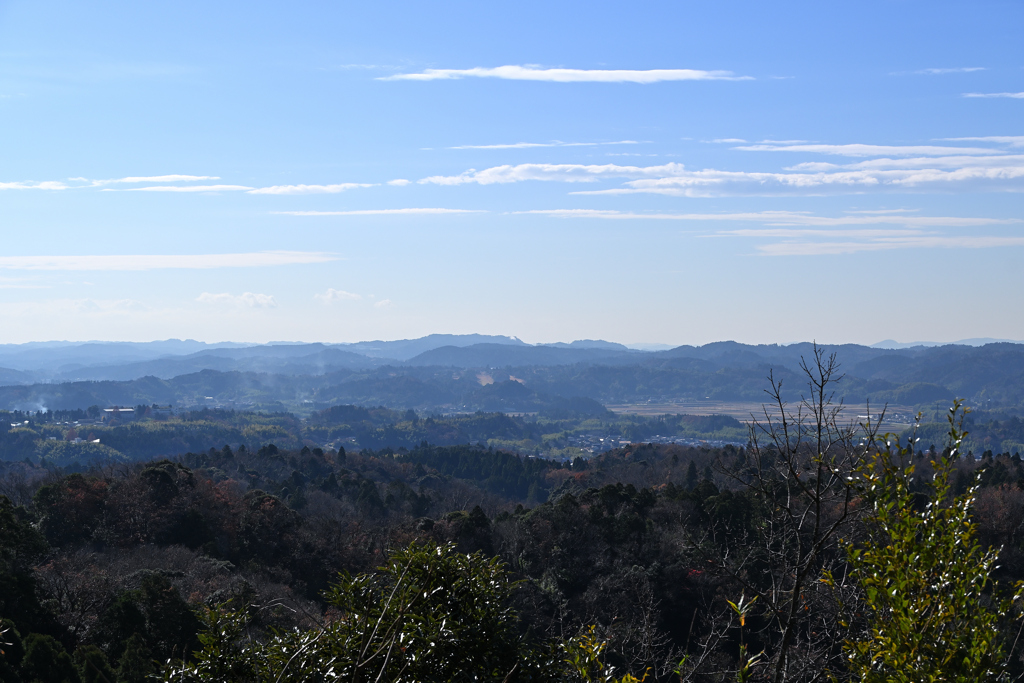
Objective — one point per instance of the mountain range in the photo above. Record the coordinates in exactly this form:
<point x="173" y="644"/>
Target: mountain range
<point x="458" y="373"/>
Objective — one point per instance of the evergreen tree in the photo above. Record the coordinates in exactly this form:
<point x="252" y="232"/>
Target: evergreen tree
<point x="46" y="661"/>
<point x="692" y="478"/>
<point x="92" y="665"/>
<point x="12" y="650"/>
<point x="136" y="663"/>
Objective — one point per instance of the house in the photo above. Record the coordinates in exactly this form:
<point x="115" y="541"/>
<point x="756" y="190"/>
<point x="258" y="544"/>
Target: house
<point x="118" y="414"/>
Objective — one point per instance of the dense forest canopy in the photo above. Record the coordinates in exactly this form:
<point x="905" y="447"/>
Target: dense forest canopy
<point x="217" y="544"/>
<point x="100" y="557"/>
<point x="78" y="439"/>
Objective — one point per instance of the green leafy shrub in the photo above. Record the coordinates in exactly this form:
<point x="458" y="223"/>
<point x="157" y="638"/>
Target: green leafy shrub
<point x="926" y="579"/>
<point x="429" y="614"/>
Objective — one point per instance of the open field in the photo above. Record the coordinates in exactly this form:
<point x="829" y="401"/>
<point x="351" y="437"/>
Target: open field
<point x="897" y="418"/>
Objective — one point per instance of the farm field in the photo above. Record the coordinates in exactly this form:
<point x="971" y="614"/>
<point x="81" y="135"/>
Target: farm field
<point x="897" y="418"/>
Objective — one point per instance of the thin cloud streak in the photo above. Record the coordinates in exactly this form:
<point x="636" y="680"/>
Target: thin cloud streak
<point x="798" y="229"/>
<point x="272" y="190"/>
<point x="783" y="218"/>
<point x="1012" y="140"/>
<point x="955" y="70"/>
<point x="309" y="189"/>
<point x="137" y="262"/>
<point x="532" y="73"/>
<point x="147" y="179"/>
<point x="724" y="183"/>
<point x="1012" y="95"/>
<point x="857" y="150"/>
<point x="888" y="244"/>
<point x="553" y="143"/>
<point x="864" y="233"/>
<point x="181" y="188"/>
<point x="380" y="212"/>
<point x="568" y="173"/>
<point x="1003" y="172"/>
<point x="32" y="185"/>
<point x="918" y="163"/>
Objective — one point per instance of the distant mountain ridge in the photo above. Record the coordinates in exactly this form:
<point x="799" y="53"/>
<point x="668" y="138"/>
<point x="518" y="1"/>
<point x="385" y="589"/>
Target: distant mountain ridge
<point x="974" y="341"/>
<point x="404" y="349"/>
<point x="507" y="375"/>
<point x="120" y="361"/>
<point x="479" y="372"/>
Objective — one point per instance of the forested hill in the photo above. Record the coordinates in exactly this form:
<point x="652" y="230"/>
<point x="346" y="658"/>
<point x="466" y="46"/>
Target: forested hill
<point x="520" y="378"/>
<point x="76" y="440"/>
<point x="113" y="572"/>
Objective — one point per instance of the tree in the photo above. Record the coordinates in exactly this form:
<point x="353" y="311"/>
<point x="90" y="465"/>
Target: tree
<point x="12" y="650"/>
<point x="46" y="661"/>
<point x="926" y="579"/>
<point x="796" y="472"/>
<point x="430" y="614"/>
<point x="692" y="478"/>
<point x="136" y="663"/>
<point x="155" y="613"/>
<point x="20" y="547"/>
<point x="92" y="665"/>
<point x="71" y="508"/>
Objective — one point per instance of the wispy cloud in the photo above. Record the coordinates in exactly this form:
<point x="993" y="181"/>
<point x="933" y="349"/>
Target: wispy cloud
<point x="399" y="182"/>
<point x="163" y="261"/>
<point x="888" y="243"/>
<point x="243" y="300"/>
<point x="1004" y="172"/>
<point x="309" y="189"/>
<point x="535" y="73"/>
<point x="380" y="212"/>
<point x="921" y="163"/>
<point x="799" y="233"/>
<point x="336" y="295"/>
<point x="33" y="185"/>
<point x="786" y="218"/>
<point x="1012" y="140"/>
<point x="861" y="233"/>
<point x="718" y="183"/>
<point x="383" y="303"/>
<point x="569" y="173"/>
<point x="1013" y="95"/>
<point x="272" y="190"/>
<point x="553" y="143"/>
<point x="858" y="150"/>
<point x="881" y="211"/>
<point x="146" y="179"/>
<point x="732" y="140"/>
<point x="181" y="188"/>
<point x="943" y="71"/>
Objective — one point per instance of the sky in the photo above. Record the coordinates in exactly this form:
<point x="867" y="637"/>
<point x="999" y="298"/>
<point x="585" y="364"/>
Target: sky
<point x="660" y="172"/>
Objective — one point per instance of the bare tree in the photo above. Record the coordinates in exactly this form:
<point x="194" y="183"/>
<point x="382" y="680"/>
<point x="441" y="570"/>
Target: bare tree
<point x="798" y="471"/>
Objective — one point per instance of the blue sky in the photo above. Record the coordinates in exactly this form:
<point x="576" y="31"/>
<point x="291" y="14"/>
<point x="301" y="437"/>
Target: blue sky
<point x="640" y="172"/>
